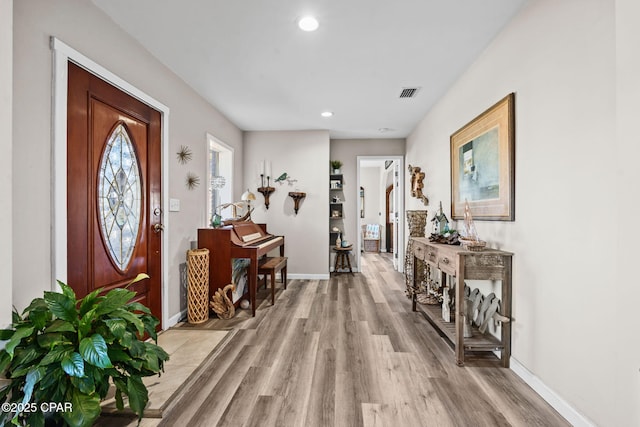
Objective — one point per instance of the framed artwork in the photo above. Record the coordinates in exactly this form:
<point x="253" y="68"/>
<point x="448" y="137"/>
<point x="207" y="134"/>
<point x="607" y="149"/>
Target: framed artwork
<point x="482" y="164"/>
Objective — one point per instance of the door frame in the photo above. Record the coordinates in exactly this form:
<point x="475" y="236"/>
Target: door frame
<point x="399" y="194"/>
<point x="388" y="191"/>
<point x="62" y="55"/>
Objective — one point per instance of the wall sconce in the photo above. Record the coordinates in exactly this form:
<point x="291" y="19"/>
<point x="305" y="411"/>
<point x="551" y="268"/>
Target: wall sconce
<point x="265" y="191"/>
<point x="297" y="197"/>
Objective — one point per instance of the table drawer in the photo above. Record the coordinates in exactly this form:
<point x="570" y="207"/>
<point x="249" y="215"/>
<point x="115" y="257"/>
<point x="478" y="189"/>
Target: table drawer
<point x="447" y="262"/>
<point x="431" y="255"/>
<point x="419" y="250"/>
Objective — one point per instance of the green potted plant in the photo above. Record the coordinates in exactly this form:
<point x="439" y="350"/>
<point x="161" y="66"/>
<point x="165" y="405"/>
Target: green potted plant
<point x="68" y="351"/>
<point x="336" y="165"/>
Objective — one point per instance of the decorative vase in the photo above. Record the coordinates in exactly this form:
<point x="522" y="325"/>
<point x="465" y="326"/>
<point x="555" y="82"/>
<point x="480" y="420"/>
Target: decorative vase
<point x="198" y="286"/>
<point x="338" y="241"/>
<point x="417" y="221"/>
<point x="216" y="221"/>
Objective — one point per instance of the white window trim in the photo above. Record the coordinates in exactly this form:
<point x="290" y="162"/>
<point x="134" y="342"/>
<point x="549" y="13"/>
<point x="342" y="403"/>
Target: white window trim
<point x="214" y="142"/>
<point x="62" y="55"/>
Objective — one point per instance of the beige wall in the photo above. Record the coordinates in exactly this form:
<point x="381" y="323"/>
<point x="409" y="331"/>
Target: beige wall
<point x="370" y="181"/>
<point x="6" y="217"/>
<point x="626" y="350"/>
<point x="559" y="59"/>
<point x="86" y="29"/>
<point x="304" y="155"/>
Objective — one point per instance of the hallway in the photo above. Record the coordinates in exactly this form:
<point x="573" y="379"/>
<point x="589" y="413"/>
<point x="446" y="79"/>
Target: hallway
<point x="349" y="352"/>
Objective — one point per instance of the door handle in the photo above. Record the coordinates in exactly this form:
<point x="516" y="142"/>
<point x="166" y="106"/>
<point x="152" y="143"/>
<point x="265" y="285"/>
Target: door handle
<point x="158" y="228"/>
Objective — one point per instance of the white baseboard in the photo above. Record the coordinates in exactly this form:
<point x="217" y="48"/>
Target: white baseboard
<point x="551" y="397"/>
<point x="173" y="320"/>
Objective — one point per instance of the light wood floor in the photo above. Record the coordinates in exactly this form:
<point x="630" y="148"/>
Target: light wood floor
<point x="350" y="352"/>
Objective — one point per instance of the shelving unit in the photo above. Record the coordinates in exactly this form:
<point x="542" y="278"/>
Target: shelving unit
<point x="336" y="213"/>
<point x="335" y="210"/>
<point x="461" y="264"/>
<point x="335" y="182"/>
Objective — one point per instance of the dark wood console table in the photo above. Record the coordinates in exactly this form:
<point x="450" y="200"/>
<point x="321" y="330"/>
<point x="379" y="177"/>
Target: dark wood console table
<point x="454" y="261"/>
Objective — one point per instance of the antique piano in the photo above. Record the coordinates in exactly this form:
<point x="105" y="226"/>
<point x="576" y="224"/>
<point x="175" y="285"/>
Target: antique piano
<point x="244" y="239"/>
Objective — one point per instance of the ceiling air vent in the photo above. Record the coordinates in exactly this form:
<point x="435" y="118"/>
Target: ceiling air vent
<point x="409" y="92"/>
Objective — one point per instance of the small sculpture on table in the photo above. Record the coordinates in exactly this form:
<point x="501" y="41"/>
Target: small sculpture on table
<point x="470" y="239"/>
<point x="338" y="238"/>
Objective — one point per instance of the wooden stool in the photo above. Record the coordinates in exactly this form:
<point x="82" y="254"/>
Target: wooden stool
<point x="271" y="265"/>
<point x="342" y="259"/>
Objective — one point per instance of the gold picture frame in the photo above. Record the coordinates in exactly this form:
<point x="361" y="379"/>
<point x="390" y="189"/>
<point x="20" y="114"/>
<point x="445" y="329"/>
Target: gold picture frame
<point x="482" y="164"/>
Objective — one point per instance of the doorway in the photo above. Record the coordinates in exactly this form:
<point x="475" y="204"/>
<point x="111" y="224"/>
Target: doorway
<point x="114" y="217"/>
<point x="376" y="174"/>
<point x="389" y="217"/>
<point x="151" y="209"/>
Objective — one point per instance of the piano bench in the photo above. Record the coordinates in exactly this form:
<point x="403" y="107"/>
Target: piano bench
<point x="271" y="266"/>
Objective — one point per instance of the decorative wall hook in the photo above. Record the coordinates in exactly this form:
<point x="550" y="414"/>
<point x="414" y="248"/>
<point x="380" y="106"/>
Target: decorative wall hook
<point x="297" y="197"/>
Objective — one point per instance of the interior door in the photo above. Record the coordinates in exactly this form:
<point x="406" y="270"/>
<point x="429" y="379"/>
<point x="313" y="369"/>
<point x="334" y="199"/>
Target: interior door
<point x="114" y="217"/>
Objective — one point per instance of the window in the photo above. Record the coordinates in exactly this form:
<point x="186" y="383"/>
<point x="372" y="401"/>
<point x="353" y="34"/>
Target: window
<point x="219" y="174"/>
<point x="119" y="197"/>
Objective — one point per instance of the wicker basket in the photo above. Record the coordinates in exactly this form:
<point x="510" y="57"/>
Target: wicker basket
<point x="427" y="299"/>
<point x="198" y="285"/>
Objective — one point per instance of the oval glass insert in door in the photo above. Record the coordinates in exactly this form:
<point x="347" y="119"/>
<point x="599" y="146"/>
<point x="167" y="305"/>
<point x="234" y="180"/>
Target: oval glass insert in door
<point x="119" y="197"/>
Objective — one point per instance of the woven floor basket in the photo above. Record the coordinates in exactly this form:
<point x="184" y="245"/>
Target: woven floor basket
<point x="198" y="285"/>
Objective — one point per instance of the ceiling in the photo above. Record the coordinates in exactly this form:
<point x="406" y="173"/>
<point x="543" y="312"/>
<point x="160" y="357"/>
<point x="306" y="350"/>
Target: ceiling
<point x="249" y="59"/>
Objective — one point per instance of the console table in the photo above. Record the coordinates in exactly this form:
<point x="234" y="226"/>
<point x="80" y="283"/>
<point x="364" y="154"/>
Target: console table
<point x="454" y="261"/>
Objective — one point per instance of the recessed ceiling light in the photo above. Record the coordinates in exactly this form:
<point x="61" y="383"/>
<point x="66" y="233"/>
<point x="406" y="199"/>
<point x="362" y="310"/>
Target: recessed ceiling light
<point x="384" y="130"/>
<point x="308" y="23"/>
<point x="326" y="113"/>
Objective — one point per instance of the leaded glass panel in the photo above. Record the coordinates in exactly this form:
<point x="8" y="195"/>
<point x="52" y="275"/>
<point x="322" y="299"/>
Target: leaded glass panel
<point x="119" y="197"/>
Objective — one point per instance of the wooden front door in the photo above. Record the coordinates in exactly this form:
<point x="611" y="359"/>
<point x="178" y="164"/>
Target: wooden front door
<point x="113" y="190"/>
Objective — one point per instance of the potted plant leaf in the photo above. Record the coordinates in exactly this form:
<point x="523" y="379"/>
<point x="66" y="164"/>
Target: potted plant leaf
<point x="69" y="351"/>
<point x="336" y="165"/>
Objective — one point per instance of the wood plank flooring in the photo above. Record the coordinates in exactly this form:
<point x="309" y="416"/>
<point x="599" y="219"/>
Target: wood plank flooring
<point x="350" y="352"/>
